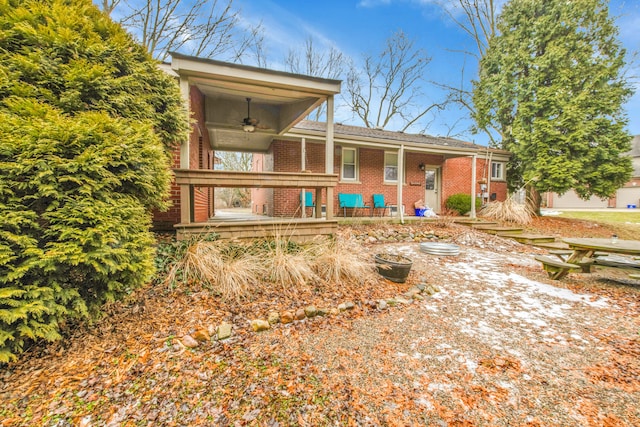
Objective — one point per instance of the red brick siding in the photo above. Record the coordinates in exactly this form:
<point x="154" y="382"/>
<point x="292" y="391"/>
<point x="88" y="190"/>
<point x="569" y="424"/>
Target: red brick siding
<point x="199" y="149"/>
<point x="166" y="220"/>
<point x="455" y="176"/>
<point x="261" y="197"/>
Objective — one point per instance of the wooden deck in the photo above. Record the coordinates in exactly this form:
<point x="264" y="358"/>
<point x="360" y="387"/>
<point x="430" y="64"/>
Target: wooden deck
<point x="298" y="229"/>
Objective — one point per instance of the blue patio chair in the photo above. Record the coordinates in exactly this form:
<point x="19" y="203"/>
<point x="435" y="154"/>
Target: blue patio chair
<point x="308" y="200"/>
<point x="379" y="203"/>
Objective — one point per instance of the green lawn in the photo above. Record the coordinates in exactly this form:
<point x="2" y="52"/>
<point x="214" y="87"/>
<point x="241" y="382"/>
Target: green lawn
<point x="614" y="216"/>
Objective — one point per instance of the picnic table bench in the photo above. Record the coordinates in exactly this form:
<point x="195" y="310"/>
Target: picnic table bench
<point x="556" y="268"/>
<point x="589" y="252"/>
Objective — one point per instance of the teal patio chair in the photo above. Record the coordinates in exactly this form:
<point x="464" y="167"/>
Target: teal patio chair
<point x="308" y="201"/>
<point x="379" y="203"/>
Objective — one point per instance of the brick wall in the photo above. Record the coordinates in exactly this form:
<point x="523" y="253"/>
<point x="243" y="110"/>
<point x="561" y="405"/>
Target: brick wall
<point x="166" y="220"/>
<point x="261" y="197"/>
<point x="455" y="176"/>
<point x="199" y="157"/>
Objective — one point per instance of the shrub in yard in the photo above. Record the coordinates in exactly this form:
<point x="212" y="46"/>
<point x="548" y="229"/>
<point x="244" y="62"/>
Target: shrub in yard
<point x="461" y="203"/>
<point x="234" y="270"/>
<point x="509" y="210"/>
<point x="86" y="119"/>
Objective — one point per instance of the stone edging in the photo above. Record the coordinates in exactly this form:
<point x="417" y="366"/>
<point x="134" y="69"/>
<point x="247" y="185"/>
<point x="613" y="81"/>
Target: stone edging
<point x="225" y="330"/>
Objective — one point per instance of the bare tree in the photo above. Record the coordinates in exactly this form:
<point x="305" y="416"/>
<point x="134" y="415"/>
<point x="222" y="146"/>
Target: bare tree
<point x="389" y="86"/>
<point x="108" y="6"/>
<point x="311" y="61"/>
<point x="204" y="28"/>
<point x="477" y="18"/>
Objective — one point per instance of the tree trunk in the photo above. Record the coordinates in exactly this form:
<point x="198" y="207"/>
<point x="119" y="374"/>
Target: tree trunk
<point x="534" y="199"/>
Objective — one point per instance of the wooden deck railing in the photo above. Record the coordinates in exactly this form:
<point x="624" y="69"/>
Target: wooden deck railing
<point x="187" y="179"/>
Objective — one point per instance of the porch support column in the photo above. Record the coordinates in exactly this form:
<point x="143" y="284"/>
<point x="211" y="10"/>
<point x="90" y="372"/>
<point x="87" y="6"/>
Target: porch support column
<point x="185" y="190"/>
<point x="472" y="213"/>
<point x="328" y="158"/>
<point x="303" y="167"/>
<point x="400" y="182"/>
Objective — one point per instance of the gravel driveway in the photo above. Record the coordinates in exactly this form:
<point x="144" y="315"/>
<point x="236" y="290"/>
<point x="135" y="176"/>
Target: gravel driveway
<point x="499" y="345"/>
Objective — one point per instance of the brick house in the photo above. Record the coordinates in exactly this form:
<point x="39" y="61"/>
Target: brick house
<point x="367" y="163"/>
<point x="247" y="109"/>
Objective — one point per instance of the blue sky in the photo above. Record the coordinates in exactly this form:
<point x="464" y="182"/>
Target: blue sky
<point x="362" y="26"/>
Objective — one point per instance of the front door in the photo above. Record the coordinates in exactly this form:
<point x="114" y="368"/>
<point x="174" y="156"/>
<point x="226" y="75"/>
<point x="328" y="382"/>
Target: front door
<point x="431" y="188"/>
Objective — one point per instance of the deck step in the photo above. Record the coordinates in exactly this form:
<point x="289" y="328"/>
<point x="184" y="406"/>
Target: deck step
<point x="474" y="222"/>
<point x="492" y="229"/>
<point x="530" y="238"/>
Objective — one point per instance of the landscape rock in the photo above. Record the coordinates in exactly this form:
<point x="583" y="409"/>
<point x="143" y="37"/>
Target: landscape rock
<point x="286" y="317"/>
<point x="224" y="331"/>
<point x="310" y="311"/>
<point x="412" y="292"/>
<point x="259" y="325"/>
<point x="382" y="305"/>
<point x="300" y="314"/>
<point x="202" y="335"/>
<point x="188" y="341"/>
<point x="273" y="318"/>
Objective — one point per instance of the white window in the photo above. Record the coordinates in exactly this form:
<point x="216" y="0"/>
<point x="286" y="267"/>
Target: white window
<point x="390" y="167"/>
<point x="349" y="164"/>
<point x="497" y="170"/>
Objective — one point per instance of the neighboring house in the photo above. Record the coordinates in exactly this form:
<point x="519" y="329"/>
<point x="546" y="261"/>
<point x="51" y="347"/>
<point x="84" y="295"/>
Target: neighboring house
<point x="248" y="109"/>
<point x="628" y="195"/>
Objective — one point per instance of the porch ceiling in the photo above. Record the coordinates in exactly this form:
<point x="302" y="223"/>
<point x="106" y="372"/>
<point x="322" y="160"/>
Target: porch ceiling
<point x="278" y="100"/>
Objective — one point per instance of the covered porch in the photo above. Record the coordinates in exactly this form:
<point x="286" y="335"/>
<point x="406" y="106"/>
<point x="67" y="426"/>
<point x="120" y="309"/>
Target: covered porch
<point x="238" y="108"/>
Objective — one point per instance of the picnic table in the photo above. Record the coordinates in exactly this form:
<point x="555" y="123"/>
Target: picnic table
<point x="587" y="252"/>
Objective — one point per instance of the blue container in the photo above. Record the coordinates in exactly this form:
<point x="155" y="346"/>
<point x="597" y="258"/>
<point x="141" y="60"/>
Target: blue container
<point x="631" y="206"/>
<point x="420" y="212"/>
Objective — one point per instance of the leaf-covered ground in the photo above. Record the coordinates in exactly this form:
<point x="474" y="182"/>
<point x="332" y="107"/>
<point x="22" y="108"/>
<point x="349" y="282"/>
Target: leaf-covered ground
<point x="499" y="345"/>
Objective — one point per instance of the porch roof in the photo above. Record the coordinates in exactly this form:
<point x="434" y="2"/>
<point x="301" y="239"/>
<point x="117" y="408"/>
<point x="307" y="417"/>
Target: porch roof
<point x="356" y="135"/>
<point x="278" y="100"/>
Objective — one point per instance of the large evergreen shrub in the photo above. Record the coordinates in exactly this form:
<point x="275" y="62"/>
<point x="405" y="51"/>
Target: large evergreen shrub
<point x="87" y="121"/>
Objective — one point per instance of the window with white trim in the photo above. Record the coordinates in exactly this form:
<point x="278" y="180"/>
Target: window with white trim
<point x="497" y="170"/>
<point x="349" y="164"/>
<point x="390" y="167"/>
